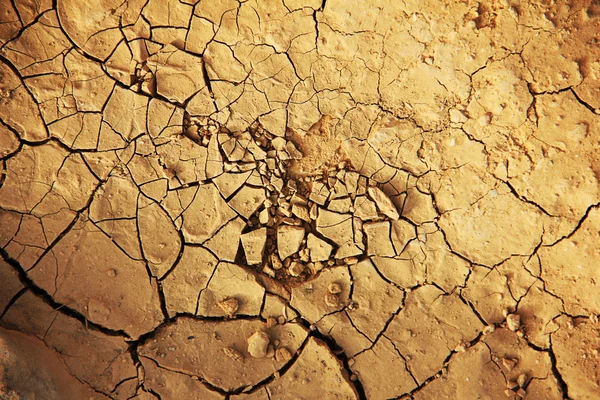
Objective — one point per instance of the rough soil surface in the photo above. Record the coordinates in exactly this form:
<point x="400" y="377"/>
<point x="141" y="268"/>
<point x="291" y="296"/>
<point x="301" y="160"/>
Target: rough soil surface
<point x="297" y="199"/>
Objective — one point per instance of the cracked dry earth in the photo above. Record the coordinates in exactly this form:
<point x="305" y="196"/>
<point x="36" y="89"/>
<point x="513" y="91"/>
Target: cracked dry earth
<point x="296" y="199"/>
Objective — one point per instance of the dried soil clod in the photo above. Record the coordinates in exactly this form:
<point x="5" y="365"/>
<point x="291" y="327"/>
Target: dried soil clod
<point x="522" y="380"/>
<point x="270" y="351"/>
<point x="254" y="245"/>
<point x="512" y="385"/>
<point x="283" y="355"/>
<point x="319" y="249"/>
<point x="296" y="268"/>
<point x="461" y="347"/>
<point x="513" y="321"/>
<point x="229" y="305"/>
<point x="276" y="262"/>
<point x="289" y="239"/>
<point x="384" y="204"/>
<point x="258" y="344"/>
<point x="489" y="329"/>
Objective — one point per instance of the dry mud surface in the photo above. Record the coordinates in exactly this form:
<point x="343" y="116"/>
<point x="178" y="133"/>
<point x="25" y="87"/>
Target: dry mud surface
<point x="288" y="199"/>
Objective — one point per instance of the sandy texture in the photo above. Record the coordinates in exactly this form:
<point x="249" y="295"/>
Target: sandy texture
<point x="299" y="199"/>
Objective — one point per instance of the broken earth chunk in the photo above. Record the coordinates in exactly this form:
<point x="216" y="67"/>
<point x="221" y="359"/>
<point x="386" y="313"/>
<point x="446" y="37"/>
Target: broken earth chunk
<point x="319" y="193"/>
<point x="509" y="363"/>
<point x="513" y="321"/>
<point x="522" y="380"/>
<point x="254" y="245"/>
<point x="319" y="249"/>
<point x="276" y="262"/>
<point x="283" y="355"/>
<point x="289" y="240"/>
<point x="296" y="268"/>
<point x="378" y="239"/>
<point x="229" y="305"/>
<point x="301" y="212"/>
<point x="258" y="344"/>
<point x="364" y="208"/>
<point x="384" y="204"/>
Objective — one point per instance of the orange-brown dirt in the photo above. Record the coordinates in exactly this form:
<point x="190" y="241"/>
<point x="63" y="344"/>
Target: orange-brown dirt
<point x="299" y="199"/>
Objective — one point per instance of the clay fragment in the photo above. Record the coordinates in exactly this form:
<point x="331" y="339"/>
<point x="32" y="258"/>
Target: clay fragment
<point x="283" y="355"/>
<point x="289" y="240"/>
<point x="296" y="268"/>
<point x="258" y="344"/>
<point x="513" y="321"/>
<point x="229" y="305"/>
<point x="254" y="245"/>
<point x="512" y="385"/>
<point x="384" y="204"/>
<point x="522" y="380"/>
<point x="319" y="249"/>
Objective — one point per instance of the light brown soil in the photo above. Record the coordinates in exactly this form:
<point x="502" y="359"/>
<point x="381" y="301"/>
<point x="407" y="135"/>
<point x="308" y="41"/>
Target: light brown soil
<point x="299" y="199"/>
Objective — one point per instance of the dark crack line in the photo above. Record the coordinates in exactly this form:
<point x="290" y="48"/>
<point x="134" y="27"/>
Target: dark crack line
<point x="595" y="111"/>
<point x="207" y="384"/>
<point x="64" y="309"/>
<point x="444" y="367"/>
<point x="12" y="301"/>
<point x="579" y="224"/>
<point x="337" y="352"/>
<point x="526" y="200"/>
<point x="564" y="389"/>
